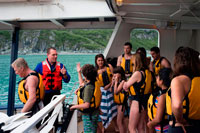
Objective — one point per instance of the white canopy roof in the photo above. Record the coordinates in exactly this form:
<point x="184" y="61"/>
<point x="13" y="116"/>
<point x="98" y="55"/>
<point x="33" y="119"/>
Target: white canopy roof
<point x="161" y="13"/>
<point x="53" y="14"/>
<point x="62" y="14"/>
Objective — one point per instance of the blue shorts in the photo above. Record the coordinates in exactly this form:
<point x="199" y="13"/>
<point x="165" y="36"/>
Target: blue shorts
<point x="90" y="123"/>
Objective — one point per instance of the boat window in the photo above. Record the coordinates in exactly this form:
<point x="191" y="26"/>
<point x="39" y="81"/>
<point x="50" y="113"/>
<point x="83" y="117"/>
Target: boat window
<point x="73" y="45"/>
<point x="5" y="44"/>
<point x="146" y="38"/>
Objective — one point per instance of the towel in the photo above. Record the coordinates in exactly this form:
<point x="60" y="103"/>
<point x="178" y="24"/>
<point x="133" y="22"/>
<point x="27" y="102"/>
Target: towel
<point x="108" y="107"/>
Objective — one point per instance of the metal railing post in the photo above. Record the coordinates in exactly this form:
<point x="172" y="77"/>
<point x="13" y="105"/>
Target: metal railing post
<point x="12" y="76"/>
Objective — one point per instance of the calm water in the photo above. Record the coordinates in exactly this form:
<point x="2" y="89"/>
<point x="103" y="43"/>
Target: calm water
<point x="69" y="61"/>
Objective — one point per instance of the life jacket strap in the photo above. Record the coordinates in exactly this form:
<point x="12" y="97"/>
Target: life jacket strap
<point x="105" y="78"/>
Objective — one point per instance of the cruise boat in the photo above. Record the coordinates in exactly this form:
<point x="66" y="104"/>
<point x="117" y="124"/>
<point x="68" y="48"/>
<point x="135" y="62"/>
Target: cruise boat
<point x="177" y="22"/>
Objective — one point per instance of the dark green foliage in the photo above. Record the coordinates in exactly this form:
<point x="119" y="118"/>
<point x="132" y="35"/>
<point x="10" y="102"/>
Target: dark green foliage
<point x="77" y="39"/>
<point x="6" y="35"/>
<point x="5" y="38"/>
<point x="144" y="38"/>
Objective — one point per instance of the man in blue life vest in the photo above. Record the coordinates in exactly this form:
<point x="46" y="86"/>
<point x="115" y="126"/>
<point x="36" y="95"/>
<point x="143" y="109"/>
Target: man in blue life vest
<point x="53" y="73"/>
<point x="158" y="61"/>
<point x="125" y="60"/>
<point x="30" y="89"/>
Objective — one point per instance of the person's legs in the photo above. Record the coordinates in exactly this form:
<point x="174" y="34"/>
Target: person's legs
<point x="141" y="126"/>
<point x="134" y="116"/>
<point x="46" y="101"/>
<point x="90" y="125"/>
<point x="146" y="121"/>
<point x="115" y="124"/>
<point x="99" y="127"/>
<point x="120" y="117"/>
<point x="95" y="122"/>
<point x="47" y="98"/>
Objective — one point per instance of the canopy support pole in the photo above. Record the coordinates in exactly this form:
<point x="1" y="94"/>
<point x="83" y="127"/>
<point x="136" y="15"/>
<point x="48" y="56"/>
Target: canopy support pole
<point x="12" y="76"/>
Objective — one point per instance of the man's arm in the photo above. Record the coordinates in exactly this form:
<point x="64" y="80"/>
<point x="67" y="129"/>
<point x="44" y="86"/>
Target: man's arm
<point x="151" y="66"/>
<point x="165" y="63"/>
<point x="119" y="60"/>
<point x="31" y="85"/>
<point x="38" y="68"/>
<point x="65" y="74"/>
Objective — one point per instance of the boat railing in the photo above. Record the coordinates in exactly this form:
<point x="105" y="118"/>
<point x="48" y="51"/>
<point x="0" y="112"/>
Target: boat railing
<point x="30" y="124"/>
<point x="70" y="97"/>
<point x="20" y="106"/>
<point x="3" y="108"/>
<point x="56" y="107"/>
<point x="56" y="111"/>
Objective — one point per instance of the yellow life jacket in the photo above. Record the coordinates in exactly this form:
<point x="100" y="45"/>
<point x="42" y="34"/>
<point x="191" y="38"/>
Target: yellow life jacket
<point x="168" y="102"/>
<point x="139" y="89"/>
<point x="149" y="82"/>
<point x="191" y="105"/>
<point x="23" y="93"/>
<point x="120" y="98"/>
<point x="127" y="65"/>
<point x="151" y="106"/>
<point x="157" y="66"/>
<point x="147" y="86"/>
<point x="105" y="77"/>
<point x="95" y="101"/>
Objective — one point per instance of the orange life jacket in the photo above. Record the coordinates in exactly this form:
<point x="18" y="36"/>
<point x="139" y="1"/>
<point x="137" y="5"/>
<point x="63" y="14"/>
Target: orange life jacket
<point x="51" y="79"/>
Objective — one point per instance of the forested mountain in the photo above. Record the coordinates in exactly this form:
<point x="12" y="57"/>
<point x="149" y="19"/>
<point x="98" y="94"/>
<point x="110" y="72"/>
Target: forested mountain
<point x="73" y="40"/>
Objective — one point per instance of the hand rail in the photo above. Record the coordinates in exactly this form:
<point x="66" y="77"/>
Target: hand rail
<point x="31" y="123"/>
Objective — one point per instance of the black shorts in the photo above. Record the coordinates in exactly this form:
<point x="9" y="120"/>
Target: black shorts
<point x="179" y="129"/>
<point x="143" y="101"/>
<point x="48" y="97"/>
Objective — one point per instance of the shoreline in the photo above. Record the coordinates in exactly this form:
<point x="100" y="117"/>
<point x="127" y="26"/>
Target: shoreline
<point x="77" y="53"/>
<point x="61" y="53"/>
<point x="71" y="53"/>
